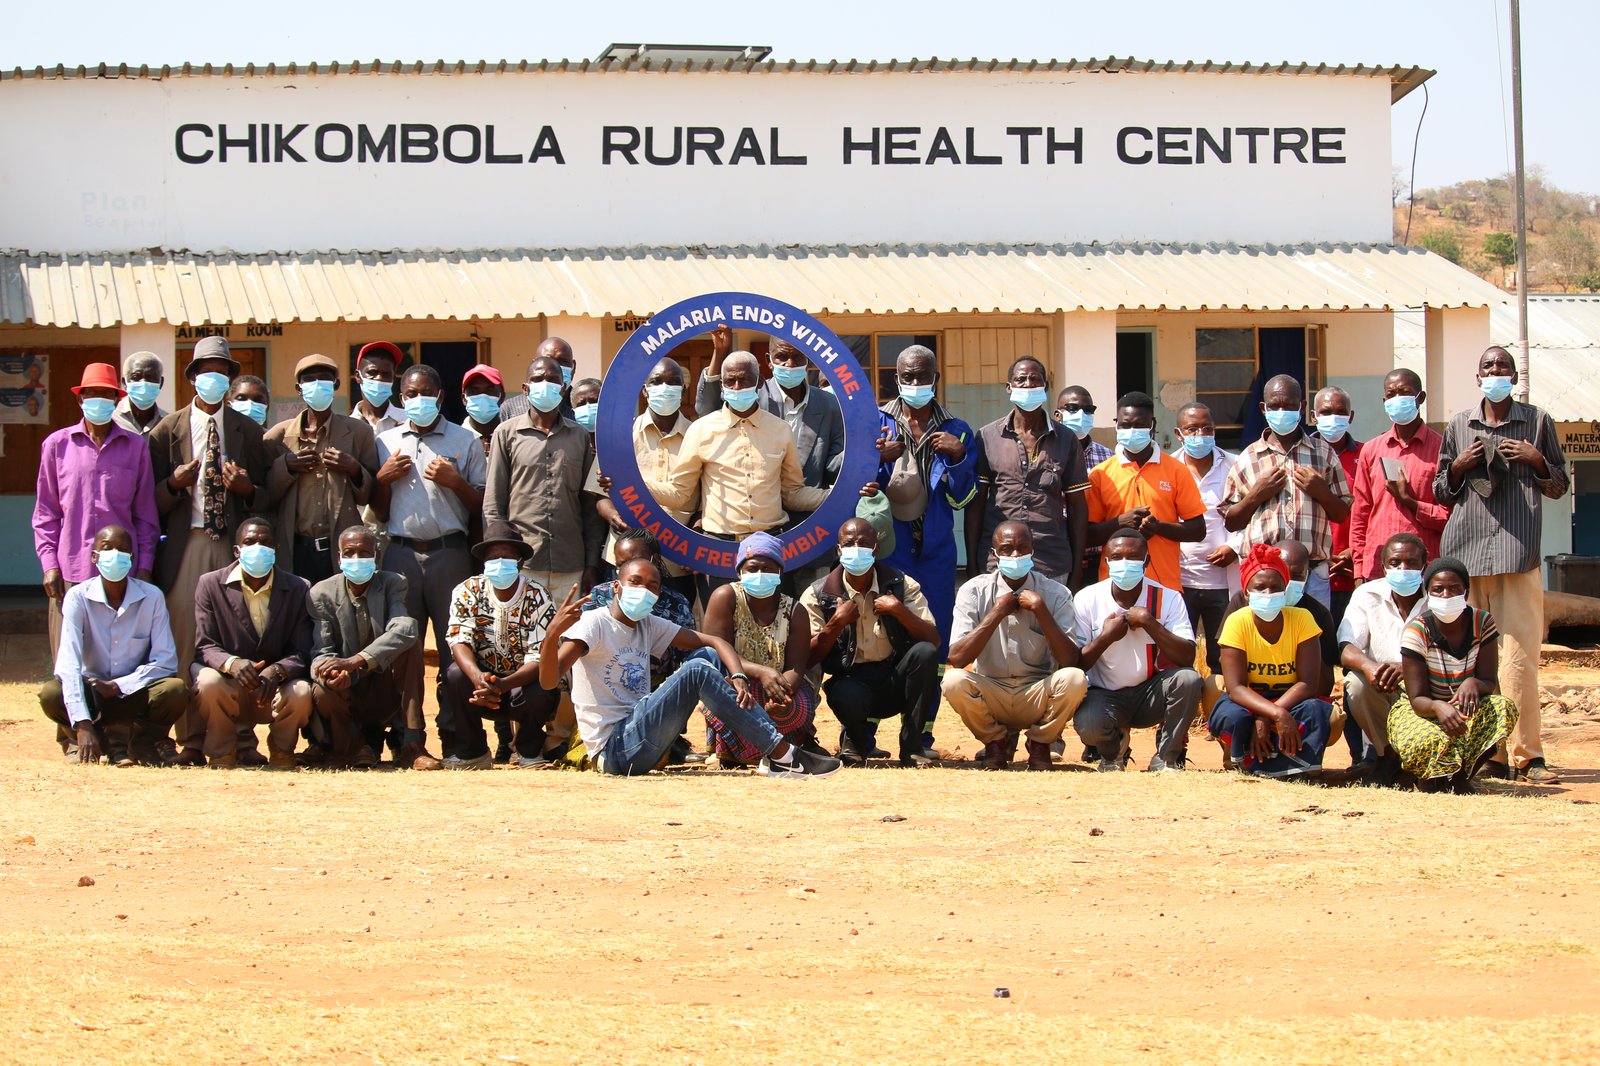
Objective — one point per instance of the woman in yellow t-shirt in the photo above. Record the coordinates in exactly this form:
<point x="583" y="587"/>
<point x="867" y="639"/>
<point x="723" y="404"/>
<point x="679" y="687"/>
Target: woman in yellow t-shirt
<point x="1271" y="720"/>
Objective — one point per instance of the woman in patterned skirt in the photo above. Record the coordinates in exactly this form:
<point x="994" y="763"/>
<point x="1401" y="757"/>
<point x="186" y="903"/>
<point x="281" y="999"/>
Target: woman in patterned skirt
<point x="763" y="626"/>
<point x="1451" y="718"/>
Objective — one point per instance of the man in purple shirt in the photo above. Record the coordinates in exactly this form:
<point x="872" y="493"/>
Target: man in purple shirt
<point x="92" y="474"/>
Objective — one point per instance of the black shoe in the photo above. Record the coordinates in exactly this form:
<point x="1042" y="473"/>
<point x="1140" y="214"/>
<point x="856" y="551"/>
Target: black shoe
<point x="1091" y="754"/>
<point x="848" y="755"/>
<point x="1495" y="771"/>
<point x="1537" y="773"/>
<point x="801" y="764"/>
<point x="502" y="753"/>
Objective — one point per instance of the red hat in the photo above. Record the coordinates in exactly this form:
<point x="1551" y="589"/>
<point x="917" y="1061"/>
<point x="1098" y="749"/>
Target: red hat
<point x="385" y="348"/>
<point x="487" y="373"/>
<point x="99" y="376"/>
<point x="1262" y="557"/>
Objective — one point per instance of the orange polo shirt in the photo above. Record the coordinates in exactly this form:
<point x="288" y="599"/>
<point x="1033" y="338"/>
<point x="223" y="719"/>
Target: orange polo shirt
<point x="1165" y="485"/>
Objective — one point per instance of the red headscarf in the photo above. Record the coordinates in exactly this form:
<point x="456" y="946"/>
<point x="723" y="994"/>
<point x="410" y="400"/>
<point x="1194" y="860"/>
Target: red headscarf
<point x="1262" y="557"/>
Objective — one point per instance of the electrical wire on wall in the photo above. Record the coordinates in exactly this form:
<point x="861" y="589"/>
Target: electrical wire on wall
<point x="1411" y="197"/>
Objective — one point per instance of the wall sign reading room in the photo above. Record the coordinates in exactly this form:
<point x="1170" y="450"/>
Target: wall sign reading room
<point x="199" y="144"/>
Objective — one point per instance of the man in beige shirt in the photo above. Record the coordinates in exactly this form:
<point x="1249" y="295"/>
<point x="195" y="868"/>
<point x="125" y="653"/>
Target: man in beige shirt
<point x="742" y="463"/>
<point x="877" y="642"/>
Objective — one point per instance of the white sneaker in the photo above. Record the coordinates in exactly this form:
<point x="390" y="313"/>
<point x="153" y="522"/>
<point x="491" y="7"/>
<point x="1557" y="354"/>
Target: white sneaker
<point x="1110" y="766"/>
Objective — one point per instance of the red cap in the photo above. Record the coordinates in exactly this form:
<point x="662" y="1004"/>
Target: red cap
<point x="99" y="376"/>
<point x="486" y="372"/>
<point x="393" y="351"/>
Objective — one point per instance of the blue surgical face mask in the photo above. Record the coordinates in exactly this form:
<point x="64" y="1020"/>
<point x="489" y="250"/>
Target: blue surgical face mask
<point x="1284" y="423"/>
<point x="789" y="376"/>
<point x="482" y="407"/>
<point x="1198" y="446"/>
<point x="566" y="377"/>
<point x="636" y="602"/>
<point x="97" y="410"/>
<point x="918" y="396"/>
<point x="664" y="399"/>
<point x="502" y="573"/>
<point x="211" y="386"/>
<point x="377" y="393"/>
<point x="856" y="560"/>
<point x="544" y="395"/>
<point x="1133" y="441"/>
<point x="1014" y="567"/>
<point x="1292" y="594"/>
<point x="1125" y="573"/>
<point x="1496" y="388"/>
<point x="1402" y="410"/>
<point x="144" y="394"/>
<point x="251" y="409"/>
<point x="1028" y="399"/>
<point x="1333" y="427"/>
<point x="318" y="395"/>
<point x="740" y="400"/>
<point x="358" y="569"/>
<point x="760" y="583"/>
<point x="422" y="411"/>
<point x="113" y="565"/>
<point x="1079" y="421"/>
<point x="587" y="415"/>
<point x="1403" y="582"/>
<point x="1267" y="605"/>
<point x="257" y="559"/>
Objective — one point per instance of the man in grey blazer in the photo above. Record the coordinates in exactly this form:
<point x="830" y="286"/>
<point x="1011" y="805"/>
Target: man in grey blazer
<point x="252" y="650"/>
<point x="364" y="672"/>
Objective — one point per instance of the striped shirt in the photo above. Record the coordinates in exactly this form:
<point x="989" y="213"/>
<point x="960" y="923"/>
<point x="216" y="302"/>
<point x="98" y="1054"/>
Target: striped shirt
<point x="1032" y="489"/>
<point x="1499" y="534"/>
<point x="1376" y="515"/>
<point x="1292" y="514"/>
<point x="1446" y="669"/>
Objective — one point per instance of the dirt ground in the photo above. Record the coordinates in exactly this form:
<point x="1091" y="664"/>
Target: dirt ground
<point x="715" y="916"/>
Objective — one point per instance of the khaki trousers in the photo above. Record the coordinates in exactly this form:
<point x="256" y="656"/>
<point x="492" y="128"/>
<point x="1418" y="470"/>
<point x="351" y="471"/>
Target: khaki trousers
<point x="1516" y="602"/>
<point x="201" y="555"/>
<point x="557" y="583"/>
<point x="1369" y="707"/>
<point x="993" y="708"/>
<point x="224" y="706"/>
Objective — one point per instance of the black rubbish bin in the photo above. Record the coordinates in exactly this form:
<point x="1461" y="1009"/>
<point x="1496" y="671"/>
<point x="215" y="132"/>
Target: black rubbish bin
<point x="1578" y="575"/>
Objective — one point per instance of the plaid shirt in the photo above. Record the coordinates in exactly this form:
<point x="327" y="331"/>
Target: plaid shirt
<point x="1292" y="514"/>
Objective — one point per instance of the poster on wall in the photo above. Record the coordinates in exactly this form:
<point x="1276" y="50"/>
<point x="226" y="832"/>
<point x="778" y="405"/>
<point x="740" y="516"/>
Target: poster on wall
<point x="24" y="389"/>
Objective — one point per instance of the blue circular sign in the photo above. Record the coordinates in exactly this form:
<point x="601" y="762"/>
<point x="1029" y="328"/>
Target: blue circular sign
<point x="657" y="338"/>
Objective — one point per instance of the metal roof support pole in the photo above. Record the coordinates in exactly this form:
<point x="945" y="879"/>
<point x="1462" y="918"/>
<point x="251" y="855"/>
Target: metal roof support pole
<point x="1522" y="203"/>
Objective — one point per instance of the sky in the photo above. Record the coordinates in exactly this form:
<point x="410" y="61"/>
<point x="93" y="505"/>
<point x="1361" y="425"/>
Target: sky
<point x="1465" y="133"/>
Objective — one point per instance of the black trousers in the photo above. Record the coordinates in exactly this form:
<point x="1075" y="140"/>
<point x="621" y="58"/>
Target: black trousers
<point x="1210" y="608"/>
<point x="311" y="562"/>
<point x="527" y="708"/>
<point x="907" y="686"/>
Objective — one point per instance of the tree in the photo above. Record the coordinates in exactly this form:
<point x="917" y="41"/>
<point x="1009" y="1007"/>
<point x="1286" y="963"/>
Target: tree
<point x="1570" y="252"/>
<point x="1590" y="282"/>
<point x="1501" y="248"/>
<point x="1442" y="242"/>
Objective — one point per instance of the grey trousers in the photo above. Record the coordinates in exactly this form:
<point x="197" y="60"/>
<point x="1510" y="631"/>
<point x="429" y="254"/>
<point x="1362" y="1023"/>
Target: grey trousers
<point x="430" y="579"/>
<point x="1167" y="701"/>
<point x="1370" y="708"/>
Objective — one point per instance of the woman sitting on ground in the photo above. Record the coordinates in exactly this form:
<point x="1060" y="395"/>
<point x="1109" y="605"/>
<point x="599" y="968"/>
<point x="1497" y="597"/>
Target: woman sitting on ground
<point x="1452" y="718"/>
<point x="1270" y="719"/>
<point x="764" y="627"/>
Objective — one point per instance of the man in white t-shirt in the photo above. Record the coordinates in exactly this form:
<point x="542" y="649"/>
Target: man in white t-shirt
<point x="1136" y="646"/>
<point x="626" y="728"/>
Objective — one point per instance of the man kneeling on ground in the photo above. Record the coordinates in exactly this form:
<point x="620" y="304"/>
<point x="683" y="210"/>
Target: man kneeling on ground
<point x="626" y="728"/>
<point x="876" y="640"/>
<point x="1138" y="647"/>
<point x="114" y="670"/>
<point x="1014" y="667"/>
<point x="363" y="674"/>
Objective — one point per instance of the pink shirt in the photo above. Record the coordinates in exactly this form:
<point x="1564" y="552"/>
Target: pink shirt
<point x="82" y="487"/>
<point x="1375" y="515"/>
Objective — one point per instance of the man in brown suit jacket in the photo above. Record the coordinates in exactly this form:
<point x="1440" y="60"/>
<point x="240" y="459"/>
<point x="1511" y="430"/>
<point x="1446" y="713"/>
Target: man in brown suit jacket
<point x="210" y="466"/>
<point x="323" y="477"/>
<point x="253" y="645"/>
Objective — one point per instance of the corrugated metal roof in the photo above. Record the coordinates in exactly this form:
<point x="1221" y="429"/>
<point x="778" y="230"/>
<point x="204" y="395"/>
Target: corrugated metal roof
<point x="107" y="290"/>
<point x="1563" y="350"/>
<point x="1402" y="79"/>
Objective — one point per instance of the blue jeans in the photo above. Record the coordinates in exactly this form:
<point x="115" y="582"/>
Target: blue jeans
<point x="1317" y="585"/>
<point x="1235" y="727"/>
<point x="657" y="720"/>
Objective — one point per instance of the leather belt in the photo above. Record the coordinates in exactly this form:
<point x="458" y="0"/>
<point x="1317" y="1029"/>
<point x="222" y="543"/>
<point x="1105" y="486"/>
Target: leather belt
<point x="449" y="540"/>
